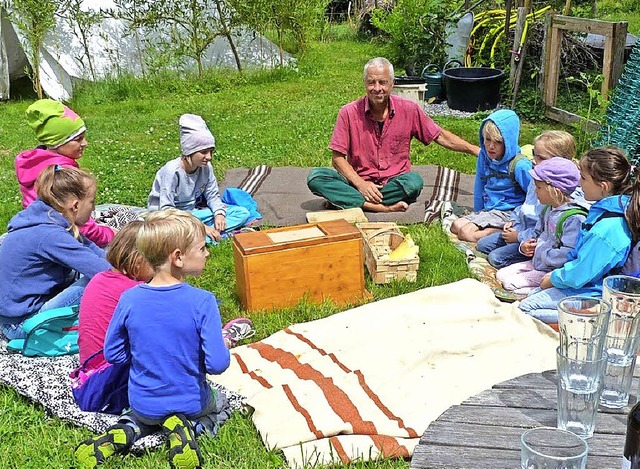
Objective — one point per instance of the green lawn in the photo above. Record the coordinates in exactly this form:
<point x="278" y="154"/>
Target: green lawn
<point x="277" y="118"/>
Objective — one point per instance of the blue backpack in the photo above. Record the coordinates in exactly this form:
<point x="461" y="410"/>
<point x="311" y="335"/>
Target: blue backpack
<point x="49" y="333"/>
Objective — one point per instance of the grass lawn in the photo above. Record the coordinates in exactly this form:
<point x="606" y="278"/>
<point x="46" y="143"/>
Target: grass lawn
<point x="278" y="118"/>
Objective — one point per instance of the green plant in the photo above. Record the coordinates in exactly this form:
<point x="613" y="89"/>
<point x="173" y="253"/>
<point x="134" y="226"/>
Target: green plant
<point x="83" y="21"/>
<point x="416" y="31"/>
<point x="595" y="109"/>
<point x="34" y="18"/>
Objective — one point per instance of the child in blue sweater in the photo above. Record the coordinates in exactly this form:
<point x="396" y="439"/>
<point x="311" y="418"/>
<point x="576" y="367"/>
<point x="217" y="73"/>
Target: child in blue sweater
<point x="499" y="188"/>
<point x="170" y="333"/>
<point x="43" y="252"/>
<point x="608" y="179"/>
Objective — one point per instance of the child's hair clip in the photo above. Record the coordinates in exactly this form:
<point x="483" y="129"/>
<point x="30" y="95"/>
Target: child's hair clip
<point x="57" y="168"/>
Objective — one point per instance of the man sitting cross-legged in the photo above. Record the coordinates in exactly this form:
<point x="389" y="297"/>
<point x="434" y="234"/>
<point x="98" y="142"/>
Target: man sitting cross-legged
<point x="371" y="143"/>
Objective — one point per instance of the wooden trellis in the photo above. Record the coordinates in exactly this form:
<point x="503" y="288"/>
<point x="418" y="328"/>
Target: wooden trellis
<point x="615" y="33"/>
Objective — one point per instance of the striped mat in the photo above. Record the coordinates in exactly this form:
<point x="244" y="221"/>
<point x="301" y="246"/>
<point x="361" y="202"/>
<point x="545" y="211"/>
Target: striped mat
<point x="284" y="199"/>
<point x="365" y="383"/>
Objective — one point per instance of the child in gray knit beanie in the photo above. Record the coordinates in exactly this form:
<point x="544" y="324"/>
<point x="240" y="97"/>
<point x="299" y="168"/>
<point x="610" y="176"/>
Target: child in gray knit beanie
<point x="189" y="183"/>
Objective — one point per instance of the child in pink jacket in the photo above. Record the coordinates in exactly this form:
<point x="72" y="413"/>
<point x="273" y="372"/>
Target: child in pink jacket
<point x="61" y="133"/>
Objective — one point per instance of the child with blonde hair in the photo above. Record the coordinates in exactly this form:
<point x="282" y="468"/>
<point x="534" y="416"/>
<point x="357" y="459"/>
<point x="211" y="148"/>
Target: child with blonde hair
<point x="189" y="183"/>
<point x="557" y="229"/>
<point x="503" y="247"/>
<point x="166" y="318"/>
<point x="501" y="178"/>
<point x="62" y="136"/>
<point x="129" y="268"/>
<point x="44" y="250"/>
<point x="604" y="242"/>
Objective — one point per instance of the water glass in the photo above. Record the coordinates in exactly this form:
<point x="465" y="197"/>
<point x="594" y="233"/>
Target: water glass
<point x="580" y="383"/>
<point x="582" y="323"/>
<point x="623" y="338"/>
<point x="552" y="448"/>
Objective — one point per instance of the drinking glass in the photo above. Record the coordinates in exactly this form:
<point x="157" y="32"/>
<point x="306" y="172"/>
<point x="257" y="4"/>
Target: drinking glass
<point x="623" y="338"/>
<point x="580" y="383"/>
<point x="552" y="448"/>
<point x="582" y="323"/>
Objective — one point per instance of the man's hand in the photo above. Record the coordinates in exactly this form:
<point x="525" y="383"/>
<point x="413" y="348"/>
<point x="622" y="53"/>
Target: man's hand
<point x="212" y="232"/>
<point x="546" y="281"/>
<point x="220" y="222"/>
<point x="371" y="192"/>
<point x="528" y="247"/>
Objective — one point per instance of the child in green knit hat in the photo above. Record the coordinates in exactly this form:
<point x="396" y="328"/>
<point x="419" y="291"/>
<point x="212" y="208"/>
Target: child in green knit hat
<point x="62" y="137"/>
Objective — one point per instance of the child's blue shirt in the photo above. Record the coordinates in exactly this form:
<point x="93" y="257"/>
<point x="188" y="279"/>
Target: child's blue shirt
<point x="494" y="188"/>
<point x="598" y="251"/>
<point x="171" y="337"/>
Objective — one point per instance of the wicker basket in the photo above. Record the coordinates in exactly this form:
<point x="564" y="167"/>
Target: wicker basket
<point x="379" y="240"/>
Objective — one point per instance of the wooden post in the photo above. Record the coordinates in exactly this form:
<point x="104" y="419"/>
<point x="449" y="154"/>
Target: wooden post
<point x="552" y="61"/>
<point x="545" y="48"/>
<point x="613" y="61"/>
<point x="517" y="46"/>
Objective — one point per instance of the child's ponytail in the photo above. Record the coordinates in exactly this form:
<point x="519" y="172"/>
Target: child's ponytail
<point x="633" y="210"/>
<point x="56" y="184"/>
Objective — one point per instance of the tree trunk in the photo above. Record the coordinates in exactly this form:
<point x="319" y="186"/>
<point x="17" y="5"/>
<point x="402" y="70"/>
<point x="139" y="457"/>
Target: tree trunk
<point x="227" y="34"/>
<point x="85" y="46"/>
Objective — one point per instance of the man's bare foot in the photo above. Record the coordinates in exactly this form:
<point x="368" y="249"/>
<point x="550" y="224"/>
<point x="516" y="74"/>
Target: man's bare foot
<point x="397" y="207"/>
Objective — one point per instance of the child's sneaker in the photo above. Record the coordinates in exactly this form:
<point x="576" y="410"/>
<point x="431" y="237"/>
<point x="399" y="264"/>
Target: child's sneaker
<point x="184" y="452"/>
<point x="92" y="452"/>
<point x="236" y="330"/>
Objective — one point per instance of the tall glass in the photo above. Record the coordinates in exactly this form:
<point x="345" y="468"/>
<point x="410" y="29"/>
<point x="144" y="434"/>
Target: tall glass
<point x="623" y="338"/>
<point x="580" y="383"/>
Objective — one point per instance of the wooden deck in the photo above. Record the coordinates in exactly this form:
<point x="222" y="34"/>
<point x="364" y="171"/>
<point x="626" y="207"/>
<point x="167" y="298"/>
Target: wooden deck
<point x="484" y="431"/>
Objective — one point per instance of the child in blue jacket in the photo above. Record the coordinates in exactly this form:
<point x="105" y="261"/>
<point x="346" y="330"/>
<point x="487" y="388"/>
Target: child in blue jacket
<point x="44" y="252"/>
<point x="170" y="334"/>
<point x="604" y="241"/>
<point x="500" y="186"/>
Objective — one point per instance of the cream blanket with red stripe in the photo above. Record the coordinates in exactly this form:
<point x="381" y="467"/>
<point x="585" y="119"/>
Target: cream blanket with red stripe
<point x="366" y="383"/>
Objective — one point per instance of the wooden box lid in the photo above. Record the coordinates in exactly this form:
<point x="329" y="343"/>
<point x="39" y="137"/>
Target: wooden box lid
<point x="310" y="234"/>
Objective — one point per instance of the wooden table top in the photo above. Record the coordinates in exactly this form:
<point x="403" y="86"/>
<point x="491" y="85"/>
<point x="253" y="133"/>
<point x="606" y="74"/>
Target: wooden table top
<point x="484" y="431"/>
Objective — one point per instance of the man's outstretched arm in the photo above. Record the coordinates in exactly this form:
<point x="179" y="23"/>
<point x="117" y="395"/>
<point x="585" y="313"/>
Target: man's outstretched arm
<point x="451" y="141"/>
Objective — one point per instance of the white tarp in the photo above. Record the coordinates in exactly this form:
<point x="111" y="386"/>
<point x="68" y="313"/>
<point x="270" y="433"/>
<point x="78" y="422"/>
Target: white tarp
<point x="112" y="51"/>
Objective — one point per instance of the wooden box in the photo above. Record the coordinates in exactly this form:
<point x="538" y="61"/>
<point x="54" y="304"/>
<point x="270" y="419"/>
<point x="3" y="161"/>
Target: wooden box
<point x="277" y="267"/>
<point x="380" y="238"/>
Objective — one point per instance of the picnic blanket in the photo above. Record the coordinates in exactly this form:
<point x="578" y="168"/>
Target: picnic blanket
<point x="284" y="198"/>
<point x="45" y="380"/>
<point x="367" y="382"/>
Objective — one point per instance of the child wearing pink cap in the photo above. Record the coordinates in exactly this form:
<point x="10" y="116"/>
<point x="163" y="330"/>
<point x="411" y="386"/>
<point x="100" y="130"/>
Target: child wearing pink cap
<point x="556" y="231"/>
<point x="62" y="136"/>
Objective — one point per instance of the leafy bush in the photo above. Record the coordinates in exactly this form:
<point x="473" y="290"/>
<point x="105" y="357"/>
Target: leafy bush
<point x="416" y="30"/>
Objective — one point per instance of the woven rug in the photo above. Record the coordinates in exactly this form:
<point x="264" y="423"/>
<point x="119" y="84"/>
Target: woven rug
<point x="46" y="381"/>
<point x="284" y="198"/>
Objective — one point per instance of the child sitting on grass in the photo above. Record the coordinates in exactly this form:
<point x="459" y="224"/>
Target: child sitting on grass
<point x="557" y="229"/>
<point x="43" y="252"/>
<point x="188" y="182"/>
<point x="498" y="188"/>
<point x="503" y="247"/>
<point x="174" y="329"/>
<point x="62" y="136"/>
<point x="603" y="245"/>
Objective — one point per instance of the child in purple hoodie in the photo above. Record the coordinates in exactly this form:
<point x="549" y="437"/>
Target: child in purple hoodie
<point x="62" y="136"/>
